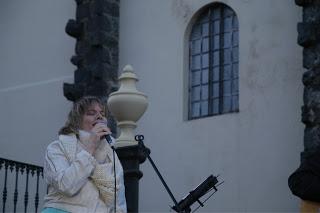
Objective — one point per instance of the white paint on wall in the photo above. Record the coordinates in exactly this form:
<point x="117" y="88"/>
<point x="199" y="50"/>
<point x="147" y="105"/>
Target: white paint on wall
<point x="254" y="150"/>
<point x="34" y="63"/>
<point x="34" y="84"/>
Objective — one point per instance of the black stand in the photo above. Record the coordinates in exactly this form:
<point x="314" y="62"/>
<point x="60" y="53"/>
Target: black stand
<point x="140" y="139"/>
<point x="184" y="205"/>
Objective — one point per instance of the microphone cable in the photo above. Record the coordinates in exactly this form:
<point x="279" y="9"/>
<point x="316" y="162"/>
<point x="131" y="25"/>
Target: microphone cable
<point x="115" y="179"/>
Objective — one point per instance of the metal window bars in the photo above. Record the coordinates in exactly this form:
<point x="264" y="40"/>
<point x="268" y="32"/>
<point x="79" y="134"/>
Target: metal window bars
<point x="213" y="63"/>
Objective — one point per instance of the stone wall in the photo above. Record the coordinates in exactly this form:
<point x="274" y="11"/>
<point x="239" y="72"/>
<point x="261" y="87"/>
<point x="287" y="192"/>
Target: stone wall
<point x="309" y="39"/>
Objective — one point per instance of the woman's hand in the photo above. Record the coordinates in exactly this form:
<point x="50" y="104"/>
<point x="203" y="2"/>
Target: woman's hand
<point x="98" y="132"/>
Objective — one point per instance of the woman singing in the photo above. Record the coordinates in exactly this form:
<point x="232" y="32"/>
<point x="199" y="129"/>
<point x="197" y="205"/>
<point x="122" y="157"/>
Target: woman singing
<point x="78" y="166"/>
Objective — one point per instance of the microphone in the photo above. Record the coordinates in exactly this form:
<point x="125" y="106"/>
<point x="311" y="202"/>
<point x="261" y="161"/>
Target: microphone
<point x="107" y="137"/>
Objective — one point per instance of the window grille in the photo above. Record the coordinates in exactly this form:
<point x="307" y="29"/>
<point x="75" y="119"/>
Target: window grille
<point x="214" y="63"/>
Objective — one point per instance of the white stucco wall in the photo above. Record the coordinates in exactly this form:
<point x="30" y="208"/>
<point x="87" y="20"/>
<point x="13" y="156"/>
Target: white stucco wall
<point x="34" y="61"/>
<point x="255" y="150"/>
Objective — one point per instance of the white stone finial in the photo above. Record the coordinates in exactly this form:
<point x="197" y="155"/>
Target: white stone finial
<point x="128" y="68"/>
<point x="127" y="105"/>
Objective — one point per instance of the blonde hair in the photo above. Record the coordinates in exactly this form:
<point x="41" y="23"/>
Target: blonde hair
<point x="75" y="116"/>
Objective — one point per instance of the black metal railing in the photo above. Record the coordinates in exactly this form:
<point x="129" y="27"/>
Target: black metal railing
<point x="31" y="183"/>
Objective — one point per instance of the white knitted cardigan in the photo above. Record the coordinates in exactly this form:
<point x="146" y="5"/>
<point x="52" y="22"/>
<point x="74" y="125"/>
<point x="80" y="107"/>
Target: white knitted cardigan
<point x="100" y="176"/>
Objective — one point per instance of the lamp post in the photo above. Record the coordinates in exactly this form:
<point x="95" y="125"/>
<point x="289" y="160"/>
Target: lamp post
<point x="127" y="105"/>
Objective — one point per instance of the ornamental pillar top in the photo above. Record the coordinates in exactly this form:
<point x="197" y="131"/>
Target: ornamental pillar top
<point x="127" y="105"/>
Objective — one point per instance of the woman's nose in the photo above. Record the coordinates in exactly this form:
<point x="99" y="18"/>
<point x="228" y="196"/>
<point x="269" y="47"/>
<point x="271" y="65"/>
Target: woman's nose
<point x="99" y="117"/>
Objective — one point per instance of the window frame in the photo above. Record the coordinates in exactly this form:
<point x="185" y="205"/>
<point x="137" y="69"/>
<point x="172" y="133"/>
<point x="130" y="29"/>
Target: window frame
<point x="208" y="17"/>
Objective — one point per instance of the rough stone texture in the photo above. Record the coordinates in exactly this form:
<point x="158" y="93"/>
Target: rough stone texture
<point x="96" y="53"/>
<point x="307" y="34"/>
<point x="309" y="38"/>
<point x="305" y="2"/>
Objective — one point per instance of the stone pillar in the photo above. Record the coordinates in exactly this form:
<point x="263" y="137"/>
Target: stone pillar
<point x="309" y="39"/>
<point x="127" y="105"/>
<point x="96" y="29"/>
<point x="131" y="157"/>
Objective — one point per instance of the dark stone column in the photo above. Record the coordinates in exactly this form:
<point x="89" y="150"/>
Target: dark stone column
<point x="309" y="39"/>
<point x="131" y="157"/>
<point x="96" y="29"/>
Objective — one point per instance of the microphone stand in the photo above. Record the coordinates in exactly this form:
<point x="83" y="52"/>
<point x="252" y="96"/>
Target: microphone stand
<point x="139" y="139"/>
<point x="184" y="205"/>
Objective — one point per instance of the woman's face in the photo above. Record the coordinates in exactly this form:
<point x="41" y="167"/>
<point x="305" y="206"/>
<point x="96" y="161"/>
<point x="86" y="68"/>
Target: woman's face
<point x="93" y="114"/>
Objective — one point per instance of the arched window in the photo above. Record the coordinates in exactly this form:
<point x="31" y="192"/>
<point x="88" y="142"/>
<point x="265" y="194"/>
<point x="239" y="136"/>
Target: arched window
<point x="214" y="63"/>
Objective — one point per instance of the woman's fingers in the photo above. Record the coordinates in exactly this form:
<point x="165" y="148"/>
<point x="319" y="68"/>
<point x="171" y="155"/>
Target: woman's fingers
<point x="98" y="128"/>
<point x="101" y="131"/>
<point x="104" y="131"/>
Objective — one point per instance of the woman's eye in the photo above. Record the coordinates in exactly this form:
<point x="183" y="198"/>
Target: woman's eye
<point x="91" y="113"/>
